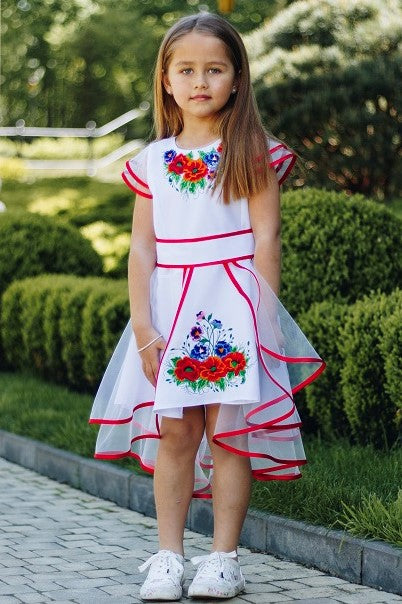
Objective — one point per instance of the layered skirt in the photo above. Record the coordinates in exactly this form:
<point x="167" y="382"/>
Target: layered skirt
<point x="229" y="341"/>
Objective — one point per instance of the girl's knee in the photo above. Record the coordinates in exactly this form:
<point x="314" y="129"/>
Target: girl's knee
<point x="182" y="436"/>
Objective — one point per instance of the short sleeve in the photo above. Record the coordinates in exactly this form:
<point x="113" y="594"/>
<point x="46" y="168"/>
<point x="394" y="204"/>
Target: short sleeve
<point x="135" y="174"/>
<point x="282" y="159"/>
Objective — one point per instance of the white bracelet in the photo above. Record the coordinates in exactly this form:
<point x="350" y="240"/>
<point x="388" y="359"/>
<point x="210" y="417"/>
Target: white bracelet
<point x="149" y="343"/>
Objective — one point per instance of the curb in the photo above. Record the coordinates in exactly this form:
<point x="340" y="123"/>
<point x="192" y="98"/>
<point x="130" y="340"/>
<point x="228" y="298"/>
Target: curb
<point x="371" y="563"/>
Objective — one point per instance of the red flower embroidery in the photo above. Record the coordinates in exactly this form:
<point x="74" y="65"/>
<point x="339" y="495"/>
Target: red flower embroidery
<point x="213" y="369"/>
<point x="187" y="369"/>
<point x="178" y="164"/>
<point x="195" y="169"/>
<point x="219" y="148"/>
<point x="235" y="361"/>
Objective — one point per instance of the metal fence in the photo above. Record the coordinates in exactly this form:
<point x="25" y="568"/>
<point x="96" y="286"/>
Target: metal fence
<point x="90" y="132"/>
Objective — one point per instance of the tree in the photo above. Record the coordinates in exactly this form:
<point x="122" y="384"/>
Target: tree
<point x="327" y="74"/>
<point x="68" y="61"/>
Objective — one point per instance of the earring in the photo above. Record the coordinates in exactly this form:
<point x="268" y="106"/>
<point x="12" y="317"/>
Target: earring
<point x="234" y="89"/>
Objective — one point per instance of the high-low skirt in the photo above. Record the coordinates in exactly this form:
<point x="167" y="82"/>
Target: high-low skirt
<point x="229" y="341"/>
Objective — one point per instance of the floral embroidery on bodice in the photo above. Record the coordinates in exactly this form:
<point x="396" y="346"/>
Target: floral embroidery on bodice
<point x="188" y="174"/>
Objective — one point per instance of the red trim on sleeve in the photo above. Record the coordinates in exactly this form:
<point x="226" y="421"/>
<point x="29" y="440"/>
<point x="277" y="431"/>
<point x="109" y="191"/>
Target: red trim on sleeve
<point x="135" y="189"/>
<point x="140" y="182"/>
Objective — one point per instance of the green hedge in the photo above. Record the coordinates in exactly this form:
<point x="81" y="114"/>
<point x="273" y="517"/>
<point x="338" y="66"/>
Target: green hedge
<point x="64" y="327"/>
<point x="335" y="246"/>
<point x="391" y="350"/>
<point x="367" y="348"/>
<point x="38" y="244"/>
<point x="324" y="397"/>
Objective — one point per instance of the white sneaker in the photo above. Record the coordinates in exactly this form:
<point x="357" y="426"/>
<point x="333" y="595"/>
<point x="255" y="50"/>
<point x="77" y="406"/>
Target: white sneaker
<point x="165" y="576"/>
<point x="219" y="576"/>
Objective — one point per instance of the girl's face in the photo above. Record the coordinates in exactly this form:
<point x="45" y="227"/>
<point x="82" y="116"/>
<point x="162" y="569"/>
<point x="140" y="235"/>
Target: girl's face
<point x="200" y="75"/>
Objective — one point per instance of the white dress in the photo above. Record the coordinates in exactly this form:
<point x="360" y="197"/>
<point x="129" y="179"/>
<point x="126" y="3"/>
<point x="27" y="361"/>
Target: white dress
<point x="220" y="320"/>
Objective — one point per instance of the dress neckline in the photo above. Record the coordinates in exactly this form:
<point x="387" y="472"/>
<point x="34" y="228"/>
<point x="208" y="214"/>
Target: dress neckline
<point x="214" y="143"/>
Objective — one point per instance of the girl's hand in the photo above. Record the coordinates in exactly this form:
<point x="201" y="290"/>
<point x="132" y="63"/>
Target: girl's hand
<point x="151" y="355"/>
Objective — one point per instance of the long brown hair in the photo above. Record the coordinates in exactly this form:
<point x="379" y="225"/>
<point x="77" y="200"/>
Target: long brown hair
<point x="242" y="170"/>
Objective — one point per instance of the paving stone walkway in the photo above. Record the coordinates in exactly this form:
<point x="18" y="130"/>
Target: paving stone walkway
<point x="61" y="545"/>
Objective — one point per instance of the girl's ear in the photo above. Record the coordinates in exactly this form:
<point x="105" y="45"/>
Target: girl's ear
<point x="166" y="83"/>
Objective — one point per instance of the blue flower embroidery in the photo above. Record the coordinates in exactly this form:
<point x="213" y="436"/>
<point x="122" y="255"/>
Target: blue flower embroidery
<point x="216" y="323"/>
<point x="169" y="156"/>
<point x="222" y="348"/>
<point x="199" y="352"/>
<point x="211" y="159"/>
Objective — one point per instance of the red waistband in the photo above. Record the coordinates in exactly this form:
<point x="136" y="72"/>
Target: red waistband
<point x="223" y="261"/>
<point x="206" y="238"/>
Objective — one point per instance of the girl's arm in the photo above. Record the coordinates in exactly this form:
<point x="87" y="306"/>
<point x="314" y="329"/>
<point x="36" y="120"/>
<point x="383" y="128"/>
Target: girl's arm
<point x="265" y="218"/>
<point x="141" y="263"/>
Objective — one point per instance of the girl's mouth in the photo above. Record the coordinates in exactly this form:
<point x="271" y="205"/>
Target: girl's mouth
<point x="200" y="97"/>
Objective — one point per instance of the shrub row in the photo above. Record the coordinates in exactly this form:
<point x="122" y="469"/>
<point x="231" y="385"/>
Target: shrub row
<point x="359" y="394"/>
<point x="335" y="246"/>
<point x="64" y="327"/>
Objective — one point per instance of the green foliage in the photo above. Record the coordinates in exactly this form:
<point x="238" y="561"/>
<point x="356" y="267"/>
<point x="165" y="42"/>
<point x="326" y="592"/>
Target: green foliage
<point x="326" y="75"/>
<point x="53" y="343"/>
<point x="38" y="244"/>
<point x="374" y="517"/>
<point x="337" y="247"/>
<point x="114" y="317"/>
<point x="91" y="335"/>
<point x="72" y="305"/>
<point x="63" y="327"/>
<point x="12" y="169"/>
<point x="65" y="56"/>
<point x="391" y="350"/>
<point x="371" y="411"/>
<point x="11" y="326"/>
<point x="322" y="324"/>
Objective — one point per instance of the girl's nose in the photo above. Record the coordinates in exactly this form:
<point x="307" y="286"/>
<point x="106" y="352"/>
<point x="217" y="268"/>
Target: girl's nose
<point x="201" y="82"/>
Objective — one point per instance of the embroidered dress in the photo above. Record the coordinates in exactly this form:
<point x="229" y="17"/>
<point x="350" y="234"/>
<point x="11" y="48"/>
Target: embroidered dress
<point x="229" y="338"/>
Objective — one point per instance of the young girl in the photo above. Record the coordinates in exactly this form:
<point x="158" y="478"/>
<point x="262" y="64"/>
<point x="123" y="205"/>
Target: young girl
<point x="200" y="386"/>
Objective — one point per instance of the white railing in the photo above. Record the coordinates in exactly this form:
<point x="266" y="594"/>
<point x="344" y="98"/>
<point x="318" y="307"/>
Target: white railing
<point x="91" y="165"/>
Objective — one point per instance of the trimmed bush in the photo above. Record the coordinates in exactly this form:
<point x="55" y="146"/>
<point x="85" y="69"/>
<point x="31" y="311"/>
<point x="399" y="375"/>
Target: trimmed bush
<point x="72" y="307"/>
<point x="371" y="411"/>
<point x="114" y="317"/>
<point x="391" y="350"/>
<point x="338" y="247"/>
<point x="324" y="397"/>
<point x="53" y="343"/>
<point x="11" y="325"/>
<point x="36" y="244"/>
<point x="61" y="325"/>
<point x="92" y="340"/>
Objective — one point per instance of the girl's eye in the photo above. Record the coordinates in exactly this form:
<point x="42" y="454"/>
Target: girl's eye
<point x="186" y="70"/>
<point x="215" y="70"/>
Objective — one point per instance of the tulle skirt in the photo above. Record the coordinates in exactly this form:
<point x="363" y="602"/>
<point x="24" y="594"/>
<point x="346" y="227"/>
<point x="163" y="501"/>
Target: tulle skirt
<point x="230" y="342"/>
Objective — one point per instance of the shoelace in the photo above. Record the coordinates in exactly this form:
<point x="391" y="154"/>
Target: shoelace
<point x="163" y="558"/>
<point x="212" y="559"/>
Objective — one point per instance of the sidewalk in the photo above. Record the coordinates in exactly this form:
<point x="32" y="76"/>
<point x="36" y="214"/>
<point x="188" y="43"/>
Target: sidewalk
<point x="58" y="544"/>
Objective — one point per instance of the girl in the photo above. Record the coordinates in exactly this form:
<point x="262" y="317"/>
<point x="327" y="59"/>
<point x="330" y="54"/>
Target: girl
<point x="220" y="356"/>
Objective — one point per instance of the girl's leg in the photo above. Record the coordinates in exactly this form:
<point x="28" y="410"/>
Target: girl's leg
<point x="174" y="474"/>
<point x="231" y="487"/>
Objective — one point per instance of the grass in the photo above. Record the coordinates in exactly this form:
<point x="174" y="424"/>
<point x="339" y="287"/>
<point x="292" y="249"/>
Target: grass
<point x="342" y="486"/>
